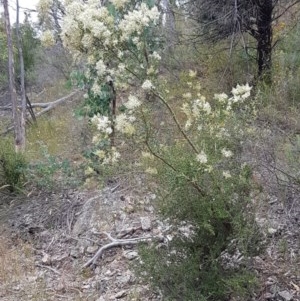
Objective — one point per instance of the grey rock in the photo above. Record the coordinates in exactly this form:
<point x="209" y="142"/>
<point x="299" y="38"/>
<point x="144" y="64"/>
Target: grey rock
<point x="146" y="223"/>
<point x="74" y="253"/>
<point x="130" y="254"/>
<point x="119" y="295"/>
<point x="126" y="278"/>
<point x="92" y="249"/>
<point x="285" y="295"/>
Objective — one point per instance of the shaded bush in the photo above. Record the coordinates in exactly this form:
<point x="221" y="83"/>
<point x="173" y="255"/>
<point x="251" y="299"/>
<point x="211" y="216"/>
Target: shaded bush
<point x="12" y="166"/>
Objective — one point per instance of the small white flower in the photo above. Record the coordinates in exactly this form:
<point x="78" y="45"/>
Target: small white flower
<point x="207" y="108"/>
<point x="226" y="153"/>
<point x="192" y="73"/>
<point x="156" y="56"/>
<point x="121" y="67"/>
<point x="221" y="97"/>
<point x="202" y="157"/>
<point x="135" y="40"/>
<point x="100" y="67"/>
<point x="226" y="174"/>
<point x="147" y="85"/>
<point x="96" y="89"/>
<point x="241" y="90"/>
<point x="132" y="102"/>
<point x="103" y="123"/>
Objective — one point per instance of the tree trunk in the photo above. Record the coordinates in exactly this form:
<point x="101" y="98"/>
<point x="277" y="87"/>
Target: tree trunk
<point x="264" y="39"/>
<point x="22" y="82"/>
<point x="169" y="23"/>
<point x="12" y="85"/>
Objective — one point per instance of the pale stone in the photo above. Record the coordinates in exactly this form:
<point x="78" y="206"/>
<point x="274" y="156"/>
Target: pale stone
<point x="146" y="223"/>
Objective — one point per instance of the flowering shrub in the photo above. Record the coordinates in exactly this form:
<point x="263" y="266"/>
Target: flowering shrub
<point x="192" y="153"/>
<point x="113" y="40"/>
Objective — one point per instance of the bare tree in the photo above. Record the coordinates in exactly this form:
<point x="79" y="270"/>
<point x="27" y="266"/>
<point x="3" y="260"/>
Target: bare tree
<point x="12" y="87"/>
<point x="220" y="19"/>
<point x="22" y="79"/>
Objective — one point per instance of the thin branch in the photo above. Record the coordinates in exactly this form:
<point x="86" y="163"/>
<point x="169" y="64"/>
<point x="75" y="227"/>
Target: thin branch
<point x="192" y="182"/>
<point x="113" y="244"/>
<point x="176" y="122"/>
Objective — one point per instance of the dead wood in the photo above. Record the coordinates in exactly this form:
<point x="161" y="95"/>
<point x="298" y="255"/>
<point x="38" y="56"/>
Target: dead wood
<point x="48" y="106"/>
<point x="114" y="243"/>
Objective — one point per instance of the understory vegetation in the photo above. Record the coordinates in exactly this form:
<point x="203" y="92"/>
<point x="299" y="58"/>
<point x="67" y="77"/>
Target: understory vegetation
<point x="193" y="120"/>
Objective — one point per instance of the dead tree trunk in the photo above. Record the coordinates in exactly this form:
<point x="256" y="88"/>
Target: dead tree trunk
<point x="22" y="81"/>
<point x="264" y="39"/>
<point x="12" y="85"/>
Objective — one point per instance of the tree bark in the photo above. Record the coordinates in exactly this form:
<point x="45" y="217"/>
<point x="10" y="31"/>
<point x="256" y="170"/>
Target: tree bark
<point x="22" y="82"/>
<point x="264" y="39"/>
<point x="11" y="75"/>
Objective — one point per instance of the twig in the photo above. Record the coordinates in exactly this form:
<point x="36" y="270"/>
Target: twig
<point x="115" y="188"/>
<point x="49" y="268"/>
<point x="113" y="244"/>
<point x="181" y="130"/>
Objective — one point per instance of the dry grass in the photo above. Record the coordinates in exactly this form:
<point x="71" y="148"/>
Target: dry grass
<point x="59" y="131"/>
<point x="18" y="277"/>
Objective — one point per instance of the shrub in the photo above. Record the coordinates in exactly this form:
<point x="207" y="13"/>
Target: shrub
<point x="51" y="172"/>
<point x="204" y="193"/>
<point x="211" y="237"/>
<point x="12" y="166"/>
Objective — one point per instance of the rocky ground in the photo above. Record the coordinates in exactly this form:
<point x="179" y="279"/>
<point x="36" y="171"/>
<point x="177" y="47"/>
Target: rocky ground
<point x="48" y="238"/>
<point x="62" y="232"/>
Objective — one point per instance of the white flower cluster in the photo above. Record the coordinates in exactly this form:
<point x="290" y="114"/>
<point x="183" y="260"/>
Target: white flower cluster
<point x="101" y="68"/>
<point x="110" y="157"/>
<point x="91" y="32"/>
<point x="84" y="22"/>
<point x="132" y="103"/>
<point x="239" y="94"/>
<point x="201" y="157"/>
<point x="135" y="21"/>
<point x="124" y="124"/>
<point x="194" y="109"/>
<point x="242" y="90"/>
<point x="147" y="85"/>
<point x="226" y="153"/>
<point x="155" y="56"/>
<point x="103" y="124"/>
<point x="124" y="121"/>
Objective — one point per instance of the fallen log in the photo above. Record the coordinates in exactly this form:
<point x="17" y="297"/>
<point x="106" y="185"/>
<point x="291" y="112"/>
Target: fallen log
<point x="48" y="106"/>
<point x="114" y="243"/>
